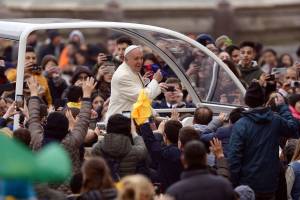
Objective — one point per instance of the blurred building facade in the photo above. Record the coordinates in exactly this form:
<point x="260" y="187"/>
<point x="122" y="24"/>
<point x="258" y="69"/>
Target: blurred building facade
<point x="270" y="21"/>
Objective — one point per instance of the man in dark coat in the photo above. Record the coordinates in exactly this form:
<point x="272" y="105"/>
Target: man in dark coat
<point x="196" y="181"/>
<point x="254" y="143"/>
<point x="247" y="65"/>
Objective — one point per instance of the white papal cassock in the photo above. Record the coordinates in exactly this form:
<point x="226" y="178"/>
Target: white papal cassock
<point x="125" y="87"/>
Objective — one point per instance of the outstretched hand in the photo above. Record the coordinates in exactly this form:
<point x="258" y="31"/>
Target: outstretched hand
<point x="10" y="111"/>
<point x="88" y="86"/>
<point x="216" y="148"/>
<point x="71" y="119"/>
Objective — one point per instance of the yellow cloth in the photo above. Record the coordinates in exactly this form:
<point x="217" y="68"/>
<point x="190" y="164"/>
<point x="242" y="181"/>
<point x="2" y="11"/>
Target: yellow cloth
<point x="142" y="109"/>
<point x="74" y="105"/>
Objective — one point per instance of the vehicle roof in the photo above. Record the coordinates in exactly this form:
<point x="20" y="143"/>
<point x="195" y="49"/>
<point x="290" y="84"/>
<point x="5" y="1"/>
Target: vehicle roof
<point x="13" y="28"/>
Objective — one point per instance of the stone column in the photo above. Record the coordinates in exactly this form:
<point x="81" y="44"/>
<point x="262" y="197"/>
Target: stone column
<point x="224" y="20"/>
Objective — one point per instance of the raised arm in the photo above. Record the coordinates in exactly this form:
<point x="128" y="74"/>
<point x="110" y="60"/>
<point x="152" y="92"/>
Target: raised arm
<point x="34" y="122"/>
<point x="76" y="138"/>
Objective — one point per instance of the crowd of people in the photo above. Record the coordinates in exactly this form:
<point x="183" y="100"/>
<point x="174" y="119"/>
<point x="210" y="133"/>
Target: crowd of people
<point x="81" y="96"/>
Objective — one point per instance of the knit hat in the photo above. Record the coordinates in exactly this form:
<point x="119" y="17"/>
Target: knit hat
<point x="119" y="124"/>
<point x="77" y="33"/>
<point x="223" y="39"/>
<point x="255" y="95"/>
<point x="205" y="39"/>
<point x="293" y="99"/>
<point x="245" y="192"/>
<point x="52" y="34"/>
<point x="130" y="48"/>
<point x="57" y="125"/>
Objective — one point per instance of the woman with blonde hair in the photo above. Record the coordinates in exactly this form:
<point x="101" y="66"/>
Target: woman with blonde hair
<point x="293" y="175"/>
<point x="135" y="187"/>
<point x="97" y="183"/>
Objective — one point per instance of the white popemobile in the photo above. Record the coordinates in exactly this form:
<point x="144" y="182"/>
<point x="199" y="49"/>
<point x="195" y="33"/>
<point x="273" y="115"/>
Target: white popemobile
<point x="214" y="85"/>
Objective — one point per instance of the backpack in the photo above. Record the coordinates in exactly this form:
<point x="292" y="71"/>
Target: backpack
<point x="114" y="166"/>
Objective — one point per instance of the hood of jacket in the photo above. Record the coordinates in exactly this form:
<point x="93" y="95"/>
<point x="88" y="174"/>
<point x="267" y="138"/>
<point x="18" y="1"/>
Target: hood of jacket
<point x="259" y="115"/>
<point x="116" y="145"/>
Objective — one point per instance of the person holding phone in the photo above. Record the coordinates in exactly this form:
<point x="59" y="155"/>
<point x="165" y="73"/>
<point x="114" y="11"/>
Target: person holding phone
<point x="104" y="76"/>
<point x="173" y="97"/>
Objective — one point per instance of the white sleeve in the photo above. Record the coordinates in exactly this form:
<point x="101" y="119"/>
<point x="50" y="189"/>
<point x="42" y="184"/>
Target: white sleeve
<point x="153" y="89"/>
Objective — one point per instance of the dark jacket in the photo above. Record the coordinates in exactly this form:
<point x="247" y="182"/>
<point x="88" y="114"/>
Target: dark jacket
<point x="167" y="158"/>
<point x="200" y="184"/>
<point x="119" y="146"/>
<point x="106" y="194"/>
<point x="49" y="49"/>
<point x="250" y="73"/>
<point x="223" y="134"/>
<point x="254" y="147"/>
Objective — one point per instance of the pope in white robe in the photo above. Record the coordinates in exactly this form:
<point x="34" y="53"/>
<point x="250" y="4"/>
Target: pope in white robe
<point x="127" y="82"/>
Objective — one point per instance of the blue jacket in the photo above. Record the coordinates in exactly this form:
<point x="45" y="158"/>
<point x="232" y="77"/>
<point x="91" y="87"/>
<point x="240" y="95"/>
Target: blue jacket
<point x="254" y="147"/>
<point x="223" y="134"/>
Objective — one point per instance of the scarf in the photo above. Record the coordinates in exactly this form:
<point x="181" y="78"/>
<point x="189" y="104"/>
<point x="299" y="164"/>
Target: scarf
<point x="74" y="105"/>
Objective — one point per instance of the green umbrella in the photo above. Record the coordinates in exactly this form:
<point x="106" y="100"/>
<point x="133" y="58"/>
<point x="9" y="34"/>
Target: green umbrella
<point x="51" y="164"/>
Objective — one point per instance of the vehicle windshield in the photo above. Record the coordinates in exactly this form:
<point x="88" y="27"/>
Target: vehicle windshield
<point x="209" y="80"/>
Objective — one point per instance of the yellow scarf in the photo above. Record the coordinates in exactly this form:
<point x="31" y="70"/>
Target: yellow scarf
<point x="142" y="109"/>
<point x="74" y="105"/>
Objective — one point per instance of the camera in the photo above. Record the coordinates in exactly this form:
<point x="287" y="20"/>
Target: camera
<point x="170" y="88"/>
<point x="36" y="69"/>
<point x="101" y="125"/>
<point x="295" y="84"/>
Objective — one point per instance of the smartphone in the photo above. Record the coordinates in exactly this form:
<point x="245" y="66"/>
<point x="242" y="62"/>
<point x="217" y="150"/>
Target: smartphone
<point x="271" y="77"/>
<point x="109" y="57"/>
<point x="126" y="114"/>
<point x="279" y="70"/>
<point x="101" y="126"/>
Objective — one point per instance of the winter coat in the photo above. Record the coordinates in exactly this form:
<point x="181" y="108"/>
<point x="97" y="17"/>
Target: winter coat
<point x="106" y="194"/>
<point x="72" y="142"/>
<point x="254" y="147"/>
<point x="250" y="73"/>
<point x="200" y="184"/>
<point x="119" y="146"/>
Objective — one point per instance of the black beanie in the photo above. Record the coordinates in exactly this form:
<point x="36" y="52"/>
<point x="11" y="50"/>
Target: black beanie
<point x="119" y="124"/>
<point x="293" y="99"/>
<point x="57" y="125"/>
<point x="255" y="95"/>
